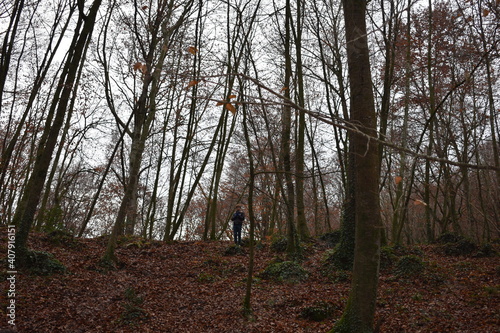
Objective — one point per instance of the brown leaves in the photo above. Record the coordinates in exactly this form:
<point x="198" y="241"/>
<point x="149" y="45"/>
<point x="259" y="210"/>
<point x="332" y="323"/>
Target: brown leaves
<point x="192" y="83"/>
<point x="192" y="286"/>
<point x="230" y="107"/>
<point x="138" y="66"/>
<point x="418" y="202"/>
<point x="193" y="50"/>
<point x="227" y="104"/>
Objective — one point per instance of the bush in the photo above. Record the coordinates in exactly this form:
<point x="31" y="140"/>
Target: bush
<point x="408" y="266"/>
<point x="245" y="242"/>
<point x="43" y="263"/>
<point x="279" y="244"/>
<point x="461" y="248"/>
<point x="319" y="311"/>
<point x="286" y="271"/>
<point x="337" y="260"/>
<point x="206" y="278"/>
<point x="234" y="250"/>
<point x="331" y="238"/>
<point x="387" y="257"/>
<point x="132" y="312"/>
<point x="340" y="276"/>
<point x="449" y="237"/>
<point x="487" y="250"/>
<point x="61" y="238"/>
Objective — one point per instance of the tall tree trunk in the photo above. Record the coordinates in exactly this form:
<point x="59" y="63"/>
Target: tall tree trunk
<point x="285" y="155"/>
<point x="26" y="209"/>
<point x="8" y="45"/>
<point x="360" y="310"/>
<point x="429" y="223"/>
<point x="302" y="229"/>
<point x="247" y="308"/>
<point x="401" y="205"/>
<point x="144" y="113"/>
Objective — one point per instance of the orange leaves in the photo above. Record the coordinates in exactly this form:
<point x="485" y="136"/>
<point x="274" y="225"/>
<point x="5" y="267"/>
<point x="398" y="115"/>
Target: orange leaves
<point x="398" y="179"/>
<point x="230" y="107"/>
<point x="192" y="83"/>
<point x="486" y="12"/>
<point x="193" y="50"/>
<point x="139" y="66"/>
<point x="418" y="202"/>
<point x="227" y="104"/>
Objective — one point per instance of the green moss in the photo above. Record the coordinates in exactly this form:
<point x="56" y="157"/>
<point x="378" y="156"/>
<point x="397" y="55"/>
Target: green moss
<point x="61" y="238"/>
<point x="409" y="266"/>
<point x="319" y="311"/>
<point x="463" y="247"/>
<point x="279" y="244"/>
<point x="332" y="238"/>
<point x="206" y="277"/>
<point x="43" y="263"/>
<point x="388" y="257"/>
<point x="487" y="250"/>
<point x="337" y="259"/>
<point x="286" y="271"/>
<point x="449" y="237"/>
<point x="132" y="313"/>
<point x="234" y="250"/>
<point x="350" y="323"/>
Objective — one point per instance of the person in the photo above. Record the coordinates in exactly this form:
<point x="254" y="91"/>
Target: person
<point x="238" y="218"/>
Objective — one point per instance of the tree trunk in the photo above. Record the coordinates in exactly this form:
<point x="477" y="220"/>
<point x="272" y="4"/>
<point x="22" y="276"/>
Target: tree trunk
<point x="302" y="229"/>
<point x="285" y="154"/>
<point x="26" y="210"/>
<point x="360" y="310"/>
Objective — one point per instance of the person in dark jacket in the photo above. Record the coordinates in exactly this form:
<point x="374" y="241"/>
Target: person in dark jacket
<point x="238" y="218"/>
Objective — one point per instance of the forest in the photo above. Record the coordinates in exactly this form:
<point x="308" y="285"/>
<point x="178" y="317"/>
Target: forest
<point x="357" y="135"/>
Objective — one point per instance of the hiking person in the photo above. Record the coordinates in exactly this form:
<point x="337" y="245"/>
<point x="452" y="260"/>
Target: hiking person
<point x="238" y="218"/>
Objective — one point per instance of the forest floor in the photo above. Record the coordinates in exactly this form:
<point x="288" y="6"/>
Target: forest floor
<point x="198" y="287"/>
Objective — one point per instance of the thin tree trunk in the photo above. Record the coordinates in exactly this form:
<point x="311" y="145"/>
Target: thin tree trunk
<point x="302" y="229"/>
<point x="289" y="196"/>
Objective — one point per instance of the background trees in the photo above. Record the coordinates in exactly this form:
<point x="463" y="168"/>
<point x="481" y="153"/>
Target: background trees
<point x="152" y="122"/>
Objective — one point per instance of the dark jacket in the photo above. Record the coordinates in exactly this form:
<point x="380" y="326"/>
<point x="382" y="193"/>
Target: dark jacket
<point x="238" y="218"/>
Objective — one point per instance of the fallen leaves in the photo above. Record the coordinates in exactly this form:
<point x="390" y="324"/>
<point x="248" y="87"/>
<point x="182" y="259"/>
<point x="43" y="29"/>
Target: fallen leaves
<point x="167" y="277"/>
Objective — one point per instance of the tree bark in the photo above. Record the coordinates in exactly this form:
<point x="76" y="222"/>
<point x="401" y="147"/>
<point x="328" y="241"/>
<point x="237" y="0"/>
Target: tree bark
<point x="360" y="310"/>
<point x="26" y="210"/>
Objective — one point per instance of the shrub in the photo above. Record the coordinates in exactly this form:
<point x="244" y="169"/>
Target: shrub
<point x="319" y="311"/>
<point x="408" y="266"/>
<point x="43" y="263"/>
<point x="449" y="237"/>
<point x="279" y="244"/>
<point x="340" y="276"/>
<point x="462" y="247"/>
<point x="331" y="238"/>
<point x="337" y="260"/>
<point x="132" y="312"/>
<point x="234" y="250"/>
<point x="286" y="271"/>
<point x="387" y="257"/>
<point x="206" y="277"/>
<point x="487" y="250"/>
<point x="61" y="238"/>
<point x="245" y="242"/>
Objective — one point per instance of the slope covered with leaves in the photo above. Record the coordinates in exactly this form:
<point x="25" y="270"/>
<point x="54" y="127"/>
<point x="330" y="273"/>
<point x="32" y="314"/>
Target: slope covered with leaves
<point x="199" y="287"/>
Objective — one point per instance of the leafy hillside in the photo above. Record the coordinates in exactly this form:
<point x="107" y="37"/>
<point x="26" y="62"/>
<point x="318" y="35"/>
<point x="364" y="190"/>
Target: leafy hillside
<point x="199" y="287"/>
